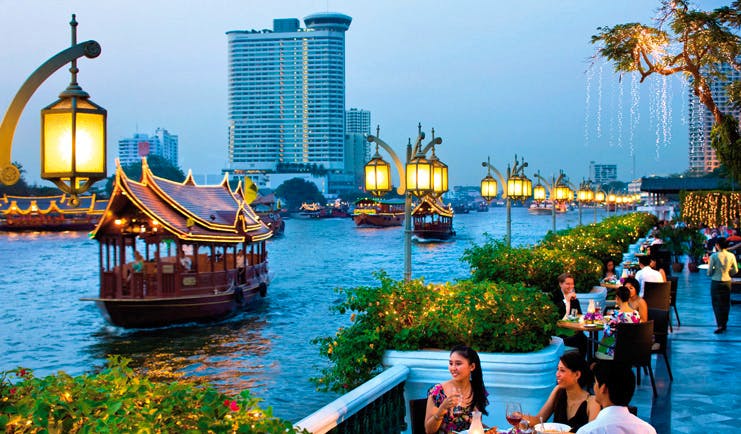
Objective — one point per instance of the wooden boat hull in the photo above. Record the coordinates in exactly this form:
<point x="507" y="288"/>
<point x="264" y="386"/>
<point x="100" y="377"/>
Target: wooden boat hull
<point x="164" y="311"/>
<point x="431" y="236"/>
<point x="378" y="220"/>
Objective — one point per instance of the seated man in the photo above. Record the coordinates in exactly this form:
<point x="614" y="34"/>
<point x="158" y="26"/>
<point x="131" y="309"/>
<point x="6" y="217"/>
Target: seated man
<point x="185" y="261"/>
<point x="646" y="273"/>
<point x="614" y="385"/>
<point x="566" y="302"/>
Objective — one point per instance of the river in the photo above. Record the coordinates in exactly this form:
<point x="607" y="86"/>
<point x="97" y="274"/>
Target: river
<point x="44" y="326"/>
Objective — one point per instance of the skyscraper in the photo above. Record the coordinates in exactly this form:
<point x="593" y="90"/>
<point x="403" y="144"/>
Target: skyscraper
<point x="161" y="143"/>
<point x="357" y="148"/>
<point x="287" y="94"/>
<point x="702" y="158"/>
<point x="602" y="173"/>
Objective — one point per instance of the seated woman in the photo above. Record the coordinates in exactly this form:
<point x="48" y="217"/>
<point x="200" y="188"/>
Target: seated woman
<point x="635" y="301"/>
<point x="623" y="314"/>
<point x="609" y="271"/>
<point x="138" y="265"/>
<point x="569" y="401"/>
<point x="450" y="404"/>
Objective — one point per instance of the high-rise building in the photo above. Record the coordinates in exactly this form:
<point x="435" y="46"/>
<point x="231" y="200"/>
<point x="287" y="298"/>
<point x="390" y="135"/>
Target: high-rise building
<point x="161" y="143"/>
<point x="602" y="173"/>
<point x="702" y="158"/>
<point x="287" y="94"/>
<point x="357" y="148"/>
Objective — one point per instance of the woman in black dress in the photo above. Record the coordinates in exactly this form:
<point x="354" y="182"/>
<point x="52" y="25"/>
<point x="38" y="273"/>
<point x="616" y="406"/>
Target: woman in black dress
<point x="569" y="402"/>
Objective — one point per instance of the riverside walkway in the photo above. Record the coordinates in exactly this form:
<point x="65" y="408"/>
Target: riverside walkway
<point x="706" y="392"/>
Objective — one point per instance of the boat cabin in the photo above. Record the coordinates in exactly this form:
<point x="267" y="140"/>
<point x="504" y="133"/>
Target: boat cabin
<point x="173" y="252"/>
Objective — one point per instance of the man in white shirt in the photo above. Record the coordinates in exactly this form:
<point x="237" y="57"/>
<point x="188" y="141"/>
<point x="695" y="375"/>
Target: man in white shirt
<point x="646" y="273"/>
<point x="614" y="385"/>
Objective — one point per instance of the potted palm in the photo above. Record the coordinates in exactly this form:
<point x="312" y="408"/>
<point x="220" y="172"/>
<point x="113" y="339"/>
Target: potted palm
<point x="696" y="249"/>
<point x="675" y="240"/>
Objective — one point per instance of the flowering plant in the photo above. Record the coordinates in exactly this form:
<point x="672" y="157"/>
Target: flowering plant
<point x="593" y="316"/>
<point x="119" y="400"/>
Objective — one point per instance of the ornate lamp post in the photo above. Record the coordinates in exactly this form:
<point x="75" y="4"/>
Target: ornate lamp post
<point x="584" y="195"/>
<point x="558" y="191"/>
<point x="419" y="176"/>
<point x="599" y="198"/>
<point x="73" y="129"/>
<point x="518" y="187"/>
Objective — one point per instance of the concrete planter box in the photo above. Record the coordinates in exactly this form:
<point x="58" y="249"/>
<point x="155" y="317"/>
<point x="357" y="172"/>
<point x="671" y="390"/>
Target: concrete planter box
<point x="527" y="378"/>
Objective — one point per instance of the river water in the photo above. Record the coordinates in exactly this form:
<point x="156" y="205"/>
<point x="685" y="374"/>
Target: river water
<point x="44" y="326"/>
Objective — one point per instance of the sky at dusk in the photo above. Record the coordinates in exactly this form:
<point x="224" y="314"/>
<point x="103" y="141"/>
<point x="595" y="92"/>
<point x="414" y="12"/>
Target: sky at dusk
<point x="493" y="78"/>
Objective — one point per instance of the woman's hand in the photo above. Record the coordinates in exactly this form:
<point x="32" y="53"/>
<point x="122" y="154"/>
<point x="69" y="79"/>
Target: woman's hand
<point x="451" y="401"/>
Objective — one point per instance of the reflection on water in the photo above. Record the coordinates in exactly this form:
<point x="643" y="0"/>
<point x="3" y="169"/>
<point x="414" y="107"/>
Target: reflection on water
<point x="44" y="326"/>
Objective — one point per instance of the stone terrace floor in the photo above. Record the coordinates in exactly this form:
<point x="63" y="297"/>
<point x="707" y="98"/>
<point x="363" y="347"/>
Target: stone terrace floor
<point x="705" y="395"/>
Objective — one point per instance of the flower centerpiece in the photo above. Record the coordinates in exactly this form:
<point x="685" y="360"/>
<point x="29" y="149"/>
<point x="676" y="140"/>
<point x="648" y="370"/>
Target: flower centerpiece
<point x="592" y="317"/>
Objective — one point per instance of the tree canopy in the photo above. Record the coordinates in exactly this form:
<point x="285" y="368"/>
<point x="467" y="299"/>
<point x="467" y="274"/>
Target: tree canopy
<point x="295" y="191"/>
<point x="691" y="42"/>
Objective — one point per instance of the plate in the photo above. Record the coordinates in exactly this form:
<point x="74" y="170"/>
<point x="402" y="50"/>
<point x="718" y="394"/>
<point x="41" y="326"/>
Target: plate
<point x="593" y="326"/>
<point x="551" y="427"/>
<point x="703" y="266"/>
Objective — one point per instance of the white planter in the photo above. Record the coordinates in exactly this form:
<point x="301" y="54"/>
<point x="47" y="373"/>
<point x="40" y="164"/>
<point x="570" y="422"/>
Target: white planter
<point x="527" y="378"/>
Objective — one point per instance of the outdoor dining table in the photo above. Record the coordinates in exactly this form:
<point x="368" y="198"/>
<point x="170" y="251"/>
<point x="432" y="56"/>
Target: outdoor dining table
<point x="593" y="329"/>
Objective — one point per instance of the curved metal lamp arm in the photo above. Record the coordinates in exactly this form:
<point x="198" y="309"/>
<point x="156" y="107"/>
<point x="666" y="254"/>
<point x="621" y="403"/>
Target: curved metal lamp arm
<point x="397" y="162"/>
<point x="548" y="185"/>
<point x="9" y="174"/>
<point x="500" y="178"/>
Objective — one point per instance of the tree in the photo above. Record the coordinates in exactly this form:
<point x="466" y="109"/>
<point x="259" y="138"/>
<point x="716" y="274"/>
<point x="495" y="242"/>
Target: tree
<point x="159" y="166"/>
<point x="295" y="191"/>
<point x="690" y="42"/>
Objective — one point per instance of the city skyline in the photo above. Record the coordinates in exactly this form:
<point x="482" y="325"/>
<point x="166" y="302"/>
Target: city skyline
<point x="493" y="80"/>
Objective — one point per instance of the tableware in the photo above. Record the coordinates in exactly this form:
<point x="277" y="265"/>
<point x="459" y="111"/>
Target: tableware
<point x="458" y="410"/>
<point x="551" y="428"/>
<point x="513" y="415"/>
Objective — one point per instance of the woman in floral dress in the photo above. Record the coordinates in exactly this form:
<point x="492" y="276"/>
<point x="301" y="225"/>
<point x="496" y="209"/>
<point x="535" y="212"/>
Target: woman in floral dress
<point x="624" y="314"/>
<point x="451" y="404"/>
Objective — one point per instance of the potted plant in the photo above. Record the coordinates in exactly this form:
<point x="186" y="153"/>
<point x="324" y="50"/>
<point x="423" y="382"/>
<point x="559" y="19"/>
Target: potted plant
<point x="696" y="249"/>
<point x="675" y="240"/>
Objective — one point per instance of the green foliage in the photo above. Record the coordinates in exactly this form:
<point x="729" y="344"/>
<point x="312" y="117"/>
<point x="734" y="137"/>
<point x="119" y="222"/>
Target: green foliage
<point x="581" y="251"/>
<point x="296" y="191"/>
<point x="413" y="315"/>
<point x="118" y="400"/>
<point x="726" y="140"/>
<point x="536" y="267"/>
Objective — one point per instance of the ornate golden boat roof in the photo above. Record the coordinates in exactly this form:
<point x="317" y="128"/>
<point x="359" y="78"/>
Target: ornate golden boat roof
<point x="190" y="212"/>
<point x="23" y="205"/>
<point x="428" y="205"/>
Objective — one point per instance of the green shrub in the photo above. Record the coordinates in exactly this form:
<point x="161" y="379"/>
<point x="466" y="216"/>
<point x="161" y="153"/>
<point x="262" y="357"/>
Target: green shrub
<point x="536" y="267"/>
<point x="413" y="315"/>
<point x="119" y="400"/>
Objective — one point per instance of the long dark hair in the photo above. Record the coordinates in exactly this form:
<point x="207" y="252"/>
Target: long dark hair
<point x="480" y="399"/>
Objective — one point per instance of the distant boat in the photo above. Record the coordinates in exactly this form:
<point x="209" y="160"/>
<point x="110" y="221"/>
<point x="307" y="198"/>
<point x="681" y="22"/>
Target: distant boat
<point x="460" y="207"/>
<point x="546" y="207"/>
<point x="268" y="209"/>
<point x="49" y="213"/>
<point x="482" y="207"/>
<point x="309" y="210"/>
<point x="174" y="252"/>
<point x="432" y="220"/>
<point x="314" y="210"/>
<point x="377" y="213"/>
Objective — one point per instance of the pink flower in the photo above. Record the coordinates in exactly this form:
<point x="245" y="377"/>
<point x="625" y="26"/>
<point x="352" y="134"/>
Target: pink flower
<point x="233" y="406"/>
<point x="12" y="391"/>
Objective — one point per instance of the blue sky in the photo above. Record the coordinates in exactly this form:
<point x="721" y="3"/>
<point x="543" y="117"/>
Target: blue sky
<point x="492" y="78"/>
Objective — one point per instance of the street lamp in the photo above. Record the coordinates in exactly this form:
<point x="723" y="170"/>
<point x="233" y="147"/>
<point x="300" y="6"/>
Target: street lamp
<point x="73" y="129"/>
<point x="419" y="176"/>
<point x="584" y="195"/>
<point x="558" y="191"/>
<point x="516" y="186"/>
<point x="599" y="198"/>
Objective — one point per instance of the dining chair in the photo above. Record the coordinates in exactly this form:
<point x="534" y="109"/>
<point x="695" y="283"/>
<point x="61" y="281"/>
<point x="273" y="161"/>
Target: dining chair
<point x="673" y="301"/>
<point x="661" y="334"/>
<point x="633" y="347"/>
<point x="658" y="295"/>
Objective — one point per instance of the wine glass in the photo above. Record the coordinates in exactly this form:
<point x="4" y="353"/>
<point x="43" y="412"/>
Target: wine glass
<point x="513" y="415"/>
<point x="458" y="410"/>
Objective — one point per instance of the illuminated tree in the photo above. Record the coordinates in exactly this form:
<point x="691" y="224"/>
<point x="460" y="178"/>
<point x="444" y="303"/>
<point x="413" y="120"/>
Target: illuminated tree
<point x="690" y="42"/>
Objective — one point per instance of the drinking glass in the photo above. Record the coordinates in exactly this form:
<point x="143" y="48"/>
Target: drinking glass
<point x="458" y="410"/>
<point x="513" y="415"/>
<point x="597" y="307"/>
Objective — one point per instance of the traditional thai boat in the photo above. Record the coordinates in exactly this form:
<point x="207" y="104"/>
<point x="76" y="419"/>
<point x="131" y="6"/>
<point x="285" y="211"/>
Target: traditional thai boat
<point x="49" y="213"/>
<point x="546" y="207"/>
<point x="174" y="252"/>
<point x="268" y="209"/>
<point x="432" y="220"/>
<point x="378" y="213"/>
